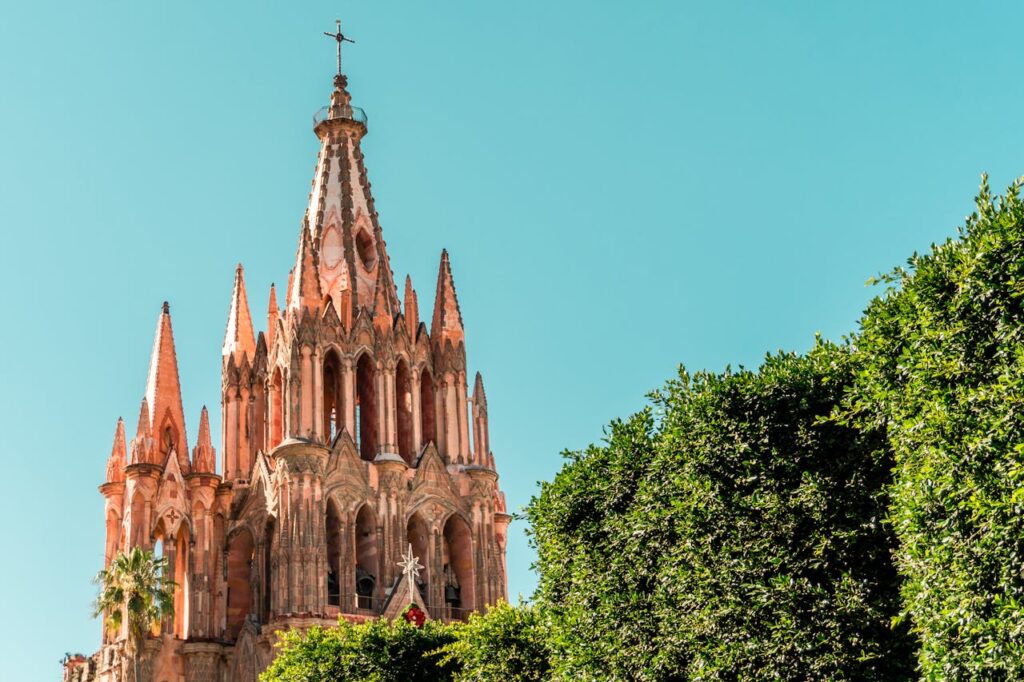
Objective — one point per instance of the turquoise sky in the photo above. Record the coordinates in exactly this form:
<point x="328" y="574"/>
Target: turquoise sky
<point x="623" y="187"/>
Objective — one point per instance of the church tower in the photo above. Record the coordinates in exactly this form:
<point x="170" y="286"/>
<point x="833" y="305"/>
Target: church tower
<point x="349" y="433"/>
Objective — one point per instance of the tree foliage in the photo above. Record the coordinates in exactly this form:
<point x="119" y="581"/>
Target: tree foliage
<point x="943" y="374"/>
<point x="134" y="589"/>
<point x="732" y="532"/>
<point x="374" y="651"/>
<point x="506" y="643"/>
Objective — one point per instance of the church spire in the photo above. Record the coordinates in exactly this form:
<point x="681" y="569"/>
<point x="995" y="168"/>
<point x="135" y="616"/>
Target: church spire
<point x="239" y="338"/>
<point x="447" y="322"/>
<point x="143" y="441"/>
<point x="203" y="454"/>
<point x="163" y="394"/>
<point x="272" y="315"/>
<point x="118" y="454"/>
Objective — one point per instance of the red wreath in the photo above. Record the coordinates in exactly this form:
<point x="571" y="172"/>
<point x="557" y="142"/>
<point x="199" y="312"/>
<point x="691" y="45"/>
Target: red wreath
<point x="415" y="615"/>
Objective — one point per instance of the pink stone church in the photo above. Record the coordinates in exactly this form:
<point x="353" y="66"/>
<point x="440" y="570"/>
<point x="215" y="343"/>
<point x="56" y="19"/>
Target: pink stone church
<point x="349" y="433"/>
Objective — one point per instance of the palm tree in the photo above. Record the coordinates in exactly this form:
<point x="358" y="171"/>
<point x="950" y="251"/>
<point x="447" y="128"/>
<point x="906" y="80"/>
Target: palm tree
<point x="135" y="586"/>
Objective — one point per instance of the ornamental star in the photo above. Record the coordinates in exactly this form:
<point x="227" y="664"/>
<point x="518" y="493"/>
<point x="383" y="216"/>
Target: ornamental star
<point x="411" y="569"/>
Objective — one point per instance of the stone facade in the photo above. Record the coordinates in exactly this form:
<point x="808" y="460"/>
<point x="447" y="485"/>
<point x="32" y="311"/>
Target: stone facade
<point x="349" y="433"/>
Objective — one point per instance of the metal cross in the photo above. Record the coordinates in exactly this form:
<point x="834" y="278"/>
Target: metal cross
<point x="411" y="569"/>
<point x="340" y="38"/>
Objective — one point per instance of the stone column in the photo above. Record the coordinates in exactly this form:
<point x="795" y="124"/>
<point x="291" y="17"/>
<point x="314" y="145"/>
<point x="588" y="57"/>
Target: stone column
<point x="462" y="408"/>
<point x="318" y="398"/>
<point x="451" y="418"/>
<point x="306" y="404"/>
<point x="349" y="400"/>
<point x="230" y="435"/>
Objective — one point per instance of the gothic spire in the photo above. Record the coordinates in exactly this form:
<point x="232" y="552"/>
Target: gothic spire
<point x="143" y="441"/>
<point x="163" y="394"/>
<point x="239" y="338"/>
<point x="118" y="454"/>
<point x="203" y="454"/>
<point x="447" y="322"/>
<point x="305" y="286"/>
<point x="479" y="396"/>
<point x="412" y="309"/>
<point x="272" y="315"/>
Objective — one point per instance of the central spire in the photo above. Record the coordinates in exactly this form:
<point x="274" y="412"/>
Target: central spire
<point x="346" y="251"/>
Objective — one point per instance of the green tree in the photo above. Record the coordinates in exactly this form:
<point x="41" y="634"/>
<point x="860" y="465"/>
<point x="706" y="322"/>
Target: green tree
<point x="134" y="590"/>
<point x="507" y="643"/>
<point x="732" y="531"/>
<point x="374" y="651"/>
<point x="942" y="354"/>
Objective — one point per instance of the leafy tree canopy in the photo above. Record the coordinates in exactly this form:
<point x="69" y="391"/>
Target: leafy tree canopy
<point x="731" y="532"/>
<point x="942" y="356"/>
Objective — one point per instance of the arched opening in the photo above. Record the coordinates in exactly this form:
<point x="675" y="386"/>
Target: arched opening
<point x="276" y="409"/>
<point x="428" y="425"/>
<point x="334" y="540"/>
<point x="268" y="571"/>
<point x="417" y="533"/>
<point x="366" y="557"/>
<point x="240" y="557"/>
<point x="403" y="406"/>
<point x="332" y="396"/>
<point x="366" y="407"/>
<point x="457" y="567"/>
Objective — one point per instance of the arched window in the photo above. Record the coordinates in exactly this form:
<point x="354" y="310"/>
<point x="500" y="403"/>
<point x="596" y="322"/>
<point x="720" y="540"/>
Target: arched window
<point x="417" y="533"/>
<point x="403" y="407"/>
<point x="240" y="557"/>
<point x="334" y="541"/>
<point x="457" y="567"/>
<point x="428" y="423"/>
<point x="332" y="403"/>
<point x="366" y="557"/>
<point x="366" y="406"/>
<point x="276" y="409"/>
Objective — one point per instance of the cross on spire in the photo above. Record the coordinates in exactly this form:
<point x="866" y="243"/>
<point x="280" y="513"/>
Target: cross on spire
<point x="340" y="38"/>
<point x="410" y="569"/>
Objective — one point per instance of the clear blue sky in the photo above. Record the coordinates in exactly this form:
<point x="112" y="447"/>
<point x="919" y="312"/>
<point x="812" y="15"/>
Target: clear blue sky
<point x="622" y="187"/>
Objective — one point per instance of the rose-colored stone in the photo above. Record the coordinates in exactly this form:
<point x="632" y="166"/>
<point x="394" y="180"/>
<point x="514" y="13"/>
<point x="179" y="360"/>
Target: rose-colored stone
<point x="345" y="438"/>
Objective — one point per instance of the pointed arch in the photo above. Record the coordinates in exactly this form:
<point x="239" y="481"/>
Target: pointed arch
<point x="428" y="420"/>
<point x="458" y="567"/>
<point x="333" y="404"/>
<point x="366" y="406"/>
<point x="367" y="569"/>
<point x="403" y="409"/>
<point x="241" y="547"/>
<point x="276" y="408"/>
<point x="417" y="533"/>
<point x="333" y="530"/>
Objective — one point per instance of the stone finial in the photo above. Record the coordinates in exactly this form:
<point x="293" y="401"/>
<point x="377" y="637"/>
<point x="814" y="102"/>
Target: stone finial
<point x="412" y="309"/>
<point x="272" y="314"/>
<point x="304" y="289"/>
<point x="142" y="443"/>
<point x="118" y="454"/>
<point x="204" y="454"/>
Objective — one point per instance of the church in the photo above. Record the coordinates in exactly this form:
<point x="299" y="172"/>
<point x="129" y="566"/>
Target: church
<point x="349" y="433"/>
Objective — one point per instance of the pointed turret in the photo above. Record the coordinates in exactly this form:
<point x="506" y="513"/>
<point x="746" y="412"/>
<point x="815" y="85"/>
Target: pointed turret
<point x="305" y="285"/>
<point x="203" y="454"/>
<point x="239" y="338"/>
<point x="447" y="322"/>
<point x="412" y="309"/>
<point x="163" y="394"/>
<point x="481" y="429"/>
<point x="272" y="314"/>
<point x="142" y="444"/>
<point x="118" y="454"/>
<point x="383" y="310"/>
